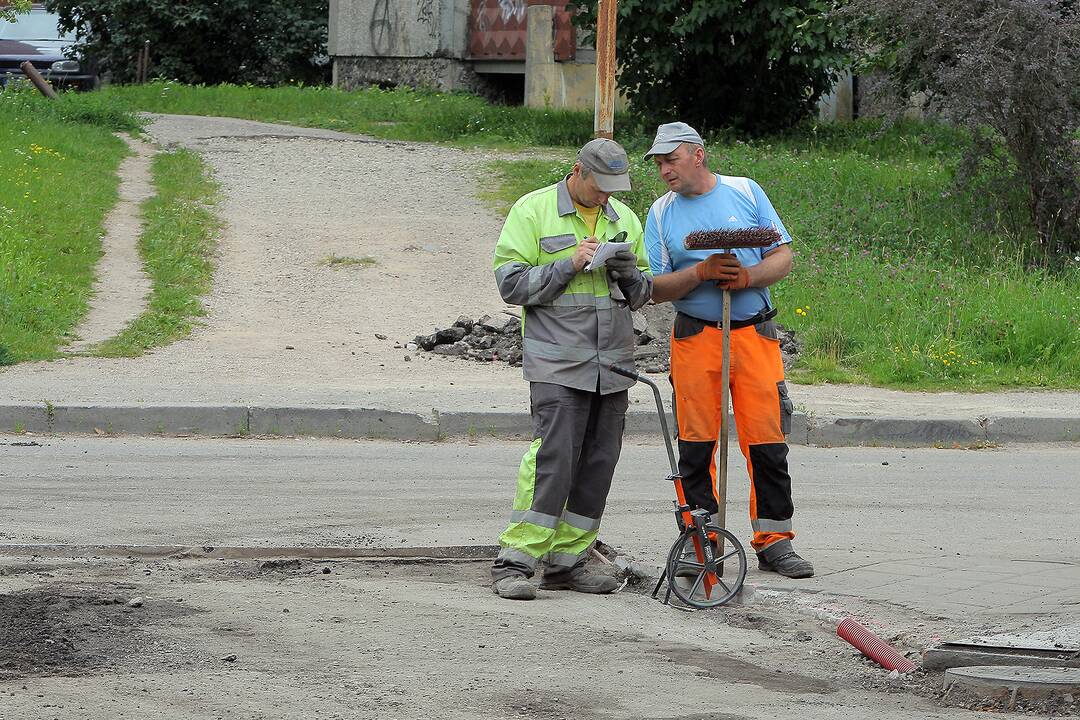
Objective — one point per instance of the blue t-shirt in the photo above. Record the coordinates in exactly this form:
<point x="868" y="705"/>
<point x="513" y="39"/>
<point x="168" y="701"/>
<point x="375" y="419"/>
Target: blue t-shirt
<point x="734" y="203"/>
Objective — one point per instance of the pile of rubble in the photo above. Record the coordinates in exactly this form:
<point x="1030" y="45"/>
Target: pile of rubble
<point x="498" y="339"/>
<point x="487" y="339"/>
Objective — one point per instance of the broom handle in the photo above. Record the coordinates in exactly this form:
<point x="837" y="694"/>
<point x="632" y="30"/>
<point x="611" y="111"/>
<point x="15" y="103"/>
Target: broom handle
<point x="722" y="462"/>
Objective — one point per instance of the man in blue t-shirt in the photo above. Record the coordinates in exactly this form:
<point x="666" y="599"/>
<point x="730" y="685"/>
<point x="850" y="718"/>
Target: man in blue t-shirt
<point x="694" y="280"/>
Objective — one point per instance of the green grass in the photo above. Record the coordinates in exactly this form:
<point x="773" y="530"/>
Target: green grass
<point x="392" y="114"/>
<point x="342" y="261"/>
<point x="896" y="283"/>
<point x="177" y="247"/>
<point x="57" y="182"/>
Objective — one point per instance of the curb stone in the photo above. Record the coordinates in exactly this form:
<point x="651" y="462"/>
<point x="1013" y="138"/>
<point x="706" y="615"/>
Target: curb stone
<point x="373" y="423"/>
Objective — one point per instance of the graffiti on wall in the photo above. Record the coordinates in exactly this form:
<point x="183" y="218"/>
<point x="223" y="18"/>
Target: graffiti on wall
<point x="508" y="10"/>
<point x="382" y="32"/>
<point x="512" y="9"/>
<point x="425" y="13"/>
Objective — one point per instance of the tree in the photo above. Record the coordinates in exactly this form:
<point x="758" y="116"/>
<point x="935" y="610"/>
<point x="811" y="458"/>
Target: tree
<point x="203" y="41"/>
<point x="755" y="66"/>
<point x="9" y="9"/>
<point x="1006" y="70"/>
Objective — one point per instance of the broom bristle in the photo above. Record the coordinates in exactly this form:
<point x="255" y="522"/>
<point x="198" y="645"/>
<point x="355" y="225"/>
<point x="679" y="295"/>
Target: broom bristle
<point x="731" y="239"/>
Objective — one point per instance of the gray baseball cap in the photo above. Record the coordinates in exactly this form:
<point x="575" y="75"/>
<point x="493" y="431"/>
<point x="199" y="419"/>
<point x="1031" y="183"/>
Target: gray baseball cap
<point x="608" y="162"/>
<point x="670" y="136"/>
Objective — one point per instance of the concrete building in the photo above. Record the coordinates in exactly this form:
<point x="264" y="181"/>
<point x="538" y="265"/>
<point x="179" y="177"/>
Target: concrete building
<point x="522" y="50"/>
<point x="477" y="45"/>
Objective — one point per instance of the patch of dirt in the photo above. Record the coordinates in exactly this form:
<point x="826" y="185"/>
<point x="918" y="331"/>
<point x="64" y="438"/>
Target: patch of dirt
<point x="75" y="629"/>
<point x="550" y="704"/>
<point x="722" y="667"/>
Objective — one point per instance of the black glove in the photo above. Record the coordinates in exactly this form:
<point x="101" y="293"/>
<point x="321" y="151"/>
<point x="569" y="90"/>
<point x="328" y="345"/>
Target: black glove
<point x="622" y="264"/>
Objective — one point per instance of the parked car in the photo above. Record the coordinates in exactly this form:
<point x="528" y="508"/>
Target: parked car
<point x="36" y="37"/>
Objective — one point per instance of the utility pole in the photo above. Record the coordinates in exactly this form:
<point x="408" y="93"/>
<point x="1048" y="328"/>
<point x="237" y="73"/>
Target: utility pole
<point x="604" y="117"/>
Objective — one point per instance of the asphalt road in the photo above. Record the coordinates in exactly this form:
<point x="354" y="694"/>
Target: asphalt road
<point x="904" y="512"/>
<point x="920" y="544"/>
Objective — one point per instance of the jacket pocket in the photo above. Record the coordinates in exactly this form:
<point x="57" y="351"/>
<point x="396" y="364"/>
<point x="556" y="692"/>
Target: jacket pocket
<point x="556" y="243"/>
<point x="686" y="326"/>
<point x="787" y="408"/>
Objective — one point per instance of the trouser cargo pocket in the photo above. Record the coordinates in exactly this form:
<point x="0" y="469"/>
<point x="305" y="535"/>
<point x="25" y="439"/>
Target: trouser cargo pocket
<point x="787" y="408"/>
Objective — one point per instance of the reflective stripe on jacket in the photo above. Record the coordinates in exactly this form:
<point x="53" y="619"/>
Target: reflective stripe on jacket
<point x="574" y="324"/>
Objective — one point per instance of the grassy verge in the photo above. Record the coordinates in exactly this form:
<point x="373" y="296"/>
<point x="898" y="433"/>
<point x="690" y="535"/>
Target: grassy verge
<point x="177" y="247"/>
<point x="895" y="283"/>
<point x="392" y="114"/>
<point x="58" y="166"/>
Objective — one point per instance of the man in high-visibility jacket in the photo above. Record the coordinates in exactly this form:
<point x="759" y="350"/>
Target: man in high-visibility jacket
<point x="576" y="322"/>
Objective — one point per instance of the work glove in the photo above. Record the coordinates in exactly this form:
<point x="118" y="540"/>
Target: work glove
<point x="622" y="265"/>
<point x="725" y="269"/>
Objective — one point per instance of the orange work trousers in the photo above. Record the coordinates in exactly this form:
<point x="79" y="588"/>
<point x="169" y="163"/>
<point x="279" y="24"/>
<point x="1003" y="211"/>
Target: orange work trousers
<point x="762" y="410"/>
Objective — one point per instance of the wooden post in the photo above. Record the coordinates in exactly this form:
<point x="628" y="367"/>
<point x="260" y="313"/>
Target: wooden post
<point x="722" y="460"/>
<point x="142" y="66"/>
<point x="39" y="82"/>
<point x="604" y="122"/>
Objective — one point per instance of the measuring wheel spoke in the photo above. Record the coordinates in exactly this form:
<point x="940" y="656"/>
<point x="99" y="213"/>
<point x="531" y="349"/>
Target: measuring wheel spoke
<point x="696" y="585"/>
<point x="733" y="553"/>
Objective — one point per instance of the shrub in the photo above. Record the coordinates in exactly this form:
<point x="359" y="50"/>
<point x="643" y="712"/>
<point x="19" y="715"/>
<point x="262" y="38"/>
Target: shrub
<point x="243" y="41"/>
<point x="757" y="66"/>
<point x="1006" y="71"/>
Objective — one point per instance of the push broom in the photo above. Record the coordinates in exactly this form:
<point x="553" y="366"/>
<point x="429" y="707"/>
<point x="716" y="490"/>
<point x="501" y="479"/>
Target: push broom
<point x="726" y="241"/>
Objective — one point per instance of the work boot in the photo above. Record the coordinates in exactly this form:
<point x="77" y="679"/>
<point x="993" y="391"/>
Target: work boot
<point x="784" y="561"/>
<point x="581" y="580"/>
<point x="514" y="587"/>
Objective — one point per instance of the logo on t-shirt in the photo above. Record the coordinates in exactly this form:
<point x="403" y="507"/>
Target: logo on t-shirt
<point x="733" y="219"/>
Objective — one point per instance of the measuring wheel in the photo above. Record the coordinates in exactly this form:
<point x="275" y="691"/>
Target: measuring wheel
<point x="700" y="578"/>
<point x="694" y="558"/>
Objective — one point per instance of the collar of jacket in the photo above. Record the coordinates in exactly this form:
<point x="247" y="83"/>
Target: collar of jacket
<point x="566" y="203"/>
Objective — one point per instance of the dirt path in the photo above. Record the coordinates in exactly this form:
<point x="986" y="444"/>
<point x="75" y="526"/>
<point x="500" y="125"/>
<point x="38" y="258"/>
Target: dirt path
<point x="121" y="288"/>
<point x="283" y="326"/>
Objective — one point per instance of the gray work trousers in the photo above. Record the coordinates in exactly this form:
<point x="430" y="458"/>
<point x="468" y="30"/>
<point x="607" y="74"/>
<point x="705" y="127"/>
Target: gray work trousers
<point x="564" y="480"/>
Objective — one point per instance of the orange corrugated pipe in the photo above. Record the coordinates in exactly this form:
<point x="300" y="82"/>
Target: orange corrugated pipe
<point x="874" y="647"/>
